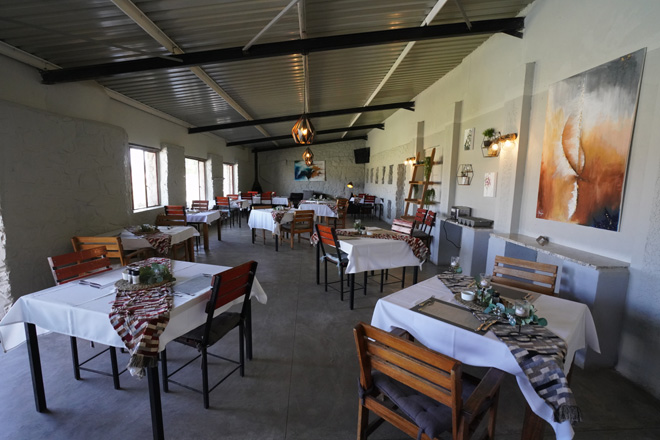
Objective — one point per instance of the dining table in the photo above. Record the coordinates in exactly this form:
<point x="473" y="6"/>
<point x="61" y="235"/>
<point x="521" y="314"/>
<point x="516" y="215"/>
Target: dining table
<point x="204" y="219"/>
<point x="271" y="220"/>
<point x="378" y="249"/>
<point x="322" y="209"/>
<point x="81" y="309"/>
<point x="277" y="200"/>
<point x="178" y="234"/>
<point x="452" y="330"/>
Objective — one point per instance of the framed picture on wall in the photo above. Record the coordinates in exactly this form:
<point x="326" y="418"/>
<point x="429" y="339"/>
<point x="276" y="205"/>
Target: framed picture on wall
<point x="490" y="182"/>
<point x="468" y="139"/>
<point x="313" y="172"/>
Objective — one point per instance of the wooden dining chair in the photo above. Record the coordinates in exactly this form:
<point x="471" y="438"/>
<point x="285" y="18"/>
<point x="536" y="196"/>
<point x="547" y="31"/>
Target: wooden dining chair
<point x="227" y="286"/>
<point x="76" y="266"/>
<point x="330" y="252"/>
<point x="303" y="222"/>
<point x="368" y="205"/>
<point x="175" y="220"/>
<point x="224" y="203"/>
<point x="524" y="274"/>
<point x="342" y="211"/>
<point x="419" y="391"/>
<point x="423" y="231"/>
<point x="113" y="246"/>
<point x="200" y="205"/>
<point x="420" y="216"/>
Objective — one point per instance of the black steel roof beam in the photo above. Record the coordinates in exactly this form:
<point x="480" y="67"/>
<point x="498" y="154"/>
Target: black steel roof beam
<point x="318" y="132"/>
<point x="266" y="50"/>
<point x="333" y="141"/>
<point x="408" y="105"/>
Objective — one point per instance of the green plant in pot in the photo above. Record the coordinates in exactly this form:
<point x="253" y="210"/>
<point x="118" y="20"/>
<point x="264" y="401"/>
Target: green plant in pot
<point x="429" y="196"/>
<point x="489" y="134"/>
<point x="428" y="166"/>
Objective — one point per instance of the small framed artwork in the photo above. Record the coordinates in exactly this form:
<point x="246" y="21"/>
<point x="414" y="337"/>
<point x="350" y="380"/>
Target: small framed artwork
<point x="468" y="139"/>
<point x="490" y="182"/>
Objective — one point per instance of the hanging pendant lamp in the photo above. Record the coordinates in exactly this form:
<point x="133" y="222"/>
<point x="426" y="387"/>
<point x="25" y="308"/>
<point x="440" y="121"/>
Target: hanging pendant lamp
<point x="303" y="131"/>
<point x="308" y="157"/>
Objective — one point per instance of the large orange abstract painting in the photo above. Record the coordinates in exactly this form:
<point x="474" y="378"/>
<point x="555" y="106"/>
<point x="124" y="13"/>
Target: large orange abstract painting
<point x="588" y="132"/>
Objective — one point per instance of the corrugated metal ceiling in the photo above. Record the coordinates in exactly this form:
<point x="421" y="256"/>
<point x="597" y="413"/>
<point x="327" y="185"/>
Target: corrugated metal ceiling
<point x="73" y="33"/>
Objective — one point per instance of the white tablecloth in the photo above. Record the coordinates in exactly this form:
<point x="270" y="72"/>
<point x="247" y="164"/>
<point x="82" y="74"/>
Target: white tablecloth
<point x="569" y="320"/>
<point x="276" y="200"/>
<point x="263" y="219"/>
<point x="80" y="310"/>
<point x="131" y="241"/>
<point x="207" y="217"/>
<point x="375" y="254"/>
<point x="321" y="209"/>
<point x="359" y="200"/>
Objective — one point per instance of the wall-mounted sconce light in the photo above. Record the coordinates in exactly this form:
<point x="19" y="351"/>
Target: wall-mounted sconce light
<point x="349" y="185"/>
<point x="493" y="144"/>
<point x="465" y="174"/>
<point x="410" y="161"/>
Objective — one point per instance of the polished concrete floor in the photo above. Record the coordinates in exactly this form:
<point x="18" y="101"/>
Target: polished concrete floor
<point x="301" y="384"/>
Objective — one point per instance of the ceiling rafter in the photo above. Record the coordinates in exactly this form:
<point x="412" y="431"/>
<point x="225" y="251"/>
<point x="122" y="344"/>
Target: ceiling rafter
<point x="429" y="18"/>
<point x="332" y="141"/>
<point x="267" y="50"/>
<point x="408" y="105"/>
<point x="318" y="132"/>
<point x="135" y="14"/>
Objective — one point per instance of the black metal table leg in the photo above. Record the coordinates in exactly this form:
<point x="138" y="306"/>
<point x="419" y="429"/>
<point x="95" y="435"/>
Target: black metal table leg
<point x="277" y="241"/>
<point x="318" y="262"/>
<point x="35" y="367"/>
<point x="154" y="400"/>
<point x="352" y="277"/>
<point x="415" y="272"/>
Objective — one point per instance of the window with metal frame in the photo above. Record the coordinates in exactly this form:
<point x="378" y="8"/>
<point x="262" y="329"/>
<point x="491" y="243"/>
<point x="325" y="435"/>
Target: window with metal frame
<point x="195" y="180"/>
<point x="144" y="177"/>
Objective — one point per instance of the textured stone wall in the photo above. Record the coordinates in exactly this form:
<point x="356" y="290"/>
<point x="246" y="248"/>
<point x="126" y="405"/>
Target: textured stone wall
<point x="172" y="175"/>
<point x="60" y="177"/>
<point x="276" y="170"/>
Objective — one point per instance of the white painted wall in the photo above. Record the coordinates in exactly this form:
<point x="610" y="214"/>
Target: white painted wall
<point x="562" y="38"/>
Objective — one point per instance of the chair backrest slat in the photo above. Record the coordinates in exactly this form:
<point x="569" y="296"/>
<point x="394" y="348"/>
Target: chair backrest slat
<point x="201" y="205"/>
<point x="171" y="220"/>
<point x="524" y="274"/>
<point x="420" y="216"/>
<point x="113" y="246"/>
<point x="402" y="226"/>
<point x="175" y="210"/>
<point x="80" y="264"/>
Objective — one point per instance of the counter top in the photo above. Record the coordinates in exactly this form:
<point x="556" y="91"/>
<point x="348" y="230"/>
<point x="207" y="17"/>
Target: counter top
<point x="584" y="258"/>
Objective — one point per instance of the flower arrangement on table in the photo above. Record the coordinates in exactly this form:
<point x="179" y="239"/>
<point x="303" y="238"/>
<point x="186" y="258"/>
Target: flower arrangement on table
<point x="155" y="274"/>
<point x="519" y="313"/>
<point x="142" y="229"/>
<point x="357" y="225"/>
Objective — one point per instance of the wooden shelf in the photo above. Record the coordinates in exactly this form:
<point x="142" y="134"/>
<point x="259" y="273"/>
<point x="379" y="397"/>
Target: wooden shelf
<point x="415" y="184"/>
<point x="418" y="201"/>
<point x="421" y="182"/>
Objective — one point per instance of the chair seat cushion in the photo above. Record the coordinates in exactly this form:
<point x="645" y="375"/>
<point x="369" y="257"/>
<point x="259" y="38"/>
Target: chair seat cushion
<point x="220" y="326"/>
<point x="432" y="417"/>
<point x="419" y="233"/>
<point x="333" y="258"/>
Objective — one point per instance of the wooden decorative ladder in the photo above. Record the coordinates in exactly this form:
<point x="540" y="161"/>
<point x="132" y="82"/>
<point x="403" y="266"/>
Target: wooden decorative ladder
<point x="417" y="180"/>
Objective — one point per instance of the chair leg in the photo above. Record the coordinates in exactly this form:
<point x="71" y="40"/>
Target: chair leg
<point x="115" y="368"/>
<point x="363" y="421"/>
<point x="241" y="349"/>
<point x="341" y="281"/>
<point x="365" y="282"/>
<point x="403" y="277"/>
<point x="318" y="264"/>
<point x="382" y="280"/>
<point x="325" y="276"/>
<point x="205" y="378"/>
<point x="163" y="369"/>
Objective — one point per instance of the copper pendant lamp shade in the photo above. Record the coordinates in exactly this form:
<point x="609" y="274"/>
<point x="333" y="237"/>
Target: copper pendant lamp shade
<point x="303" y="131"/>
<point x="308" y="156"/>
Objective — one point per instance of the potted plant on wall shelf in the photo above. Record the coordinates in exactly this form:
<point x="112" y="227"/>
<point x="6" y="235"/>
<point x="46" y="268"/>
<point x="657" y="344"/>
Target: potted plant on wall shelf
<point x="429" y="196"/>
<point x="428" y="166"/>
<point x="487" y="149"/>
